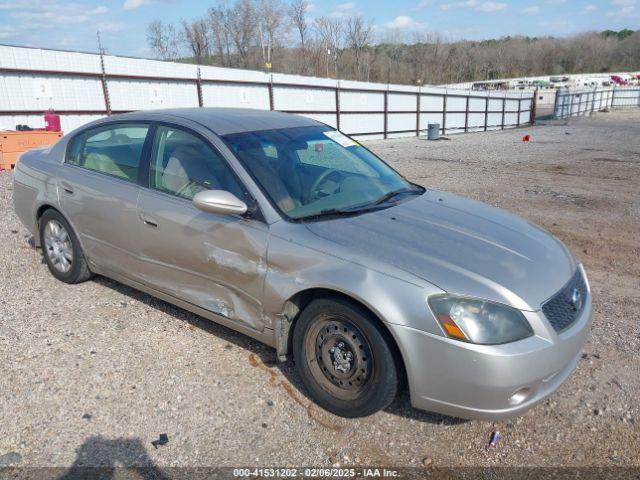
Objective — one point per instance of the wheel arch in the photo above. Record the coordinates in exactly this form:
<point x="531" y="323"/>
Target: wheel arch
<point x="300" y="300"/>
<point x="43" y="208"/>
<point x="38" y="215"/>
<point x="40" y="212"/>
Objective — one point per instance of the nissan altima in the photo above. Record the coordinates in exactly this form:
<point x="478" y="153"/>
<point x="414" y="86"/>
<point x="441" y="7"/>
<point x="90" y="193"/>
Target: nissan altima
<point x="293" y="233"/>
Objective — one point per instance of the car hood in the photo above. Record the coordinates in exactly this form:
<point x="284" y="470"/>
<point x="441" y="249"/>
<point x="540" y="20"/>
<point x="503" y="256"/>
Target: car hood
<point x="461" y="246"/>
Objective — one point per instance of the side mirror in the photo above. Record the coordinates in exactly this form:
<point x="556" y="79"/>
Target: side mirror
<point x="220" y="202"/>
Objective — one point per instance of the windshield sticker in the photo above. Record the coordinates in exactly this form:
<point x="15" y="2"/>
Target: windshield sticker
<point x="340" y="139"/>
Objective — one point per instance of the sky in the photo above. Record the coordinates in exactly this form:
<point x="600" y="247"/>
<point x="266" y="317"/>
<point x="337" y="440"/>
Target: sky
<point x="72" y="25"/>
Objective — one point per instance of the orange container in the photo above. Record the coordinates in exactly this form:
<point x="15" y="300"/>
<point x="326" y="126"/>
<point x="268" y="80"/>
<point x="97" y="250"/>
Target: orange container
<point x="13" y="143"/>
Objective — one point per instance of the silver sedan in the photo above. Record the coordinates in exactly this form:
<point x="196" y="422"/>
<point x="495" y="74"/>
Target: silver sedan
<point x="284" y="229"/>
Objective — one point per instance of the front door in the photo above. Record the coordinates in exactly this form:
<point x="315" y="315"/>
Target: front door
<point x="216" y="262"/>
<point x="98" y="191"/>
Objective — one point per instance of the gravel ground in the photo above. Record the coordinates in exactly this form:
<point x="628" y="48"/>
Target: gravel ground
<point x="93" y="373"/>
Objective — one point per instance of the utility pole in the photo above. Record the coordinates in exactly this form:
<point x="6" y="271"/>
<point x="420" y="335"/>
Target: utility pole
<point x="103" y="76"/>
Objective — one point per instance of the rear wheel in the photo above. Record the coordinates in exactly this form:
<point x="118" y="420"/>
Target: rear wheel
<point x="343" y="358"/>
<point x="61" y="249"/>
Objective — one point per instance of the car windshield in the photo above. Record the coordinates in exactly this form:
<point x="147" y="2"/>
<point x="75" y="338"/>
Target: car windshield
<point x="317" y="171"/>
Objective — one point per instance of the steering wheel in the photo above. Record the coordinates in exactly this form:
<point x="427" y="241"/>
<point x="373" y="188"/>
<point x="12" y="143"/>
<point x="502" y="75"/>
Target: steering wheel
<point x="315" y="188"/>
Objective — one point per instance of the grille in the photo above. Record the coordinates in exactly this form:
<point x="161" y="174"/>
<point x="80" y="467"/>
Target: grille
<point x="559" y="309"/>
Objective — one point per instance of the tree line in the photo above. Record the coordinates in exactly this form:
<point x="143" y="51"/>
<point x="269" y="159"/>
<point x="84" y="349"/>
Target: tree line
<point x="272" y="35"/>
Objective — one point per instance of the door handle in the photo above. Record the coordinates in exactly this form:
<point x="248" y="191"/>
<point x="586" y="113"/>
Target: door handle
<point x="68" y="189"/>
<point x="149" y="221"/>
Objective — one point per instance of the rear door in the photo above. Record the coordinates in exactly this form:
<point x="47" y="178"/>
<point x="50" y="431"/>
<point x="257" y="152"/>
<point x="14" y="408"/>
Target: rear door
<point x="216" y="262"/>
<point x="98" y="190"/>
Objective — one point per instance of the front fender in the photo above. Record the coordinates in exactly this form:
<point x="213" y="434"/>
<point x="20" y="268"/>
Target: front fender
<point x="294" y="268"/>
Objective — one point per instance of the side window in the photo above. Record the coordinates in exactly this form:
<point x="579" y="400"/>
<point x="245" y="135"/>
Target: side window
<point x="74" y="150"/>
<point x="182" y="164"/>
<point x="114" y="150"/>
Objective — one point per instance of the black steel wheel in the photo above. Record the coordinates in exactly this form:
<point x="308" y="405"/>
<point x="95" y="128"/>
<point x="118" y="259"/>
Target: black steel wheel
<point x="344" y="359"/>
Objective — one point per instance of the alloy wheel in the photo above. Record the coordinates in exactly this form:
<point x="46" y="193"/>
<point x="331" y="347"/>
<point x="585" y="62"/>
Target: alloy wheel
<point x="58" y="247"/>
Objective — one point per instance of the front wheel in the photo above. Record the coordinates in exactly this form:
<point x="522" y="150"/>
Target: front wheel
<point x="343" y="358"/>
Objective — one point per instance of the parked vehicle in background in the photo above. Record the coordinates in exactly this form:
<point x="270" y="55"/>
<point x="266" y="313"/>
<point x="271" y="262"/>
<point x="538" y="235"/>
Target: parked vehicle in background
<point x="490" y="85"/>
<point x="619" y="80"/>
<point x="540" y="84"/>
<point x="284" y="229"/>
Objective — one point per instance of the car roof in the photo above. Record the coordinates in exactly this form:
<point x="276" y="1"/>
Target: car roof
<point x="224" y="121"/>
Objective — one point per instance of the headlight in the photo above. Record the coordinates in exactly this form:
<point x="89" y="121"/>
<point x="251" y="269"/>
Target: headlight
<point x="479" y="321"/>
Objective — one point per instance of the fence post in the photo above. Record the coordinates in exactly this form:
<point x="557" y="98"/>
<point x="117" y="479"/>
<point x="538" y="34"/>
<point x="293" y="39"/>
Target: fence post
<point x="444" y="113"/>
<point x="199" y="88"/>
<point x="338" y="105"/>
<point x="534" y="107"/>
<point x="486" y="112"/>
<point x="418" y="112"/>
<point x="613" y="95"/>
<point x="555" y="105"/>
<point x="519" y="109"/>
<point x="386" y="111"/>
<point x="466" y="114"/>
<point x="504" y="108"/>
<point x="572" y="99"/>
<point x="270" y="86"/>
<point x="580" y="104"/>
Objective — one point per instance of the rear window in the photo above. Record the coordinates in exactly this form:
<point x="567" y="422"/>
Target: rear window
<point x="113" y="150"/>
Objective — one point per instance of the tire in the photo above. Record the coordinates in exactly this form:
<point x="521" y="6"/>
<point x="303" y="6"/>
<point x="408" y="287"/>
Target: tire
<point x="61" y="249"/>
<point x="343" y="358"/>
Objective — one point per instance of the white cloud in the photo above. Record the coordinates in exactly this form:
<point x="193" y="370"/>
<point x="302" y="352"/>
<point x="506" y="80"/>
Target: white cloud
<point x="590" y="8"/>
<point x="532" y="10"/>
<point x="491" y="6"/>
<point x="343" y="7"/>
<point x="421" y="5"/>
<point x="623" y="8"/>
<point x="621" y="13"/>
<point x="465" y="4"/>
<point x="38" y="19"/>
<point x="99" y="10"/>
<point x="135" y="4"/>
<point x="28" y="16"/>
<point x="403" y="22"/>
<point x="476" y="5"/>
<point x="343" y="10"/>
<point x="53" y="7"/>
<point x="31" y="16"/>
<point x="7" y="31"/>
<point x="109" y="26"/>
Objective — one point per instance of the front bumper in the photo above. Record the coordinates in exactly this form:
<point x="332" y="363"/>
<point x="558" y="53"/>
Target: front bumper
<point x="490" y="382"/>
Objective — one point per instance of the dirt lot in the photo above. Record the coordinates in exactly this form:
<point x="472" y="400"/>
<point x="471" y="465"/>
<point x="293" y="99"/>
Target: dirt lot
<point x="95" y="372"/>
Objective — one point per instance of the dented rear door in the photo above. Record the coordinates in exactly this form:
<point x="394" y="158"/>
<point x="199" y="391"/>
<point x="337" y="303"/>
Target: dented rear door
<point x="217" y="262"/>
